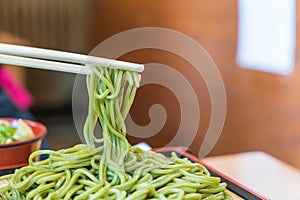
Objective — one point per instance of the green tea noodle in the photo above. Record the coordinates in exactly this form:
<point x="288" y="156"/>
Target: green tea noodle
<point x="109" y="167"/>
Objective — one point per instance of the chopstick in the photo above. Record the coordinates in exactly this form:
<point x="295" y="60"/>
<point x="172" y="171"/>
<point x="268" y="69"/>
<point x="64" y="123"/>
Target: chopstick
<point x="33" y="57"/>
<point x="44" y="64"/>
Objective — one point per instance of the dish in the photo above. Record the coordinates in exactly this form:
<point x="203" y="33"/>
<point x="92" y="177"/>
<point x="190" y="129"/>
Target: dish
<point x="15" y="130"/>
<point x="20" y="150"/>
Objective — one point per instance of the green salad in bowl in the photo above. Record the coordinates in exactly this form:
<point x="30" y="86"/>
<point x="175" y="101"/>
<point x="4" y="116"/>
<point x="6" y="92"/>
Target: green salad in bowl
<point x="11" y="131"/>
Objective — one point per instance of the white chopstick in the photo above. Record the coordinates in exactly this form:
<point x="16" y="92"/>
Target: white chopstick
<point x="26" y="56"/>
<point x="44" y="64"/>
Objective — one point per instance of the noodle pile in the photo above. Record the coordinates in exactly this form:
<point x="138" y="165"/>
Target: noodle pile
<point x="115" y="169"/>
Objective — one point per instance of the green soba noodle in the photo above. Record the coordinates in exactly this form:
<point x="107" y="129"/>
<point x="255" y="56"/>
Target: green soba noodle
<point x="109" y="167"/>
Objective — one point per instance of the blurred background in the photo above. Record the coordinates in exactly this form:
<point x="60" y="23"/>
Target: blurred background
<point x="263" y="109"/>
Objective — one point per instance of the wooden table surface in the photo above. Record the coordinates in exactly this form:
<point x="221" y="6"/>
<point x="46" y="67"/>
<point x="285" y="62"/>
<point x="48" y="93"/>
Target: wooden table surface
<point x="261" y="172"/>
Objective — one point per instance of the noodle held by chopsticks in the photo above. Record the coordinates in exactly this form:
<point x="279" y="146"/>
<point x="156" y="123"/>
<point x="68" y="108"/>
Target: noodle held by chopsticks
<point x="115" y="170"/>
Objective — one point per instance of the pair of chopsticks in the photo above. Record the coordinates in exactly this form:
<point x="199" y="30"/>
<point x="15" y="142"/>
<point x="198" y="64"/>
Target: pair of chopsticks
<point x="58" y="60"/>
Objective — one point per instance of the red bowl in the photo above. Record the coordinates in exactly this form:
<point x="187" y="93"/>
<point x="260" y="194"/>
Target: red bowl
<point x="16" y="154"/>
